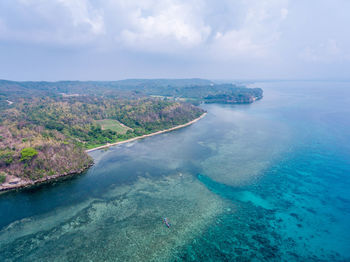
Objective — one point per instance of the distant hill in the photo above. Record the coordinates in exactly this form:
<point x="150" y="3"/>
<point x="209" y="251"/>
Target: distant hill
<point x="164" y="82"/>
<point x="192" y="90"/>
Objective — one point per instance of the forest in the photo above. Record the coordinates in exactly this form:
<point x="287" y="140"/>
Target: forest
<point x="191" y="90"/>
<point x="40" y="136"/>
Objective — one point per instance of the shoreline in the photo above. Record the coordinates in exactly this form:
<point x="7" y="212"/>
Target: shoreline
<point x="148" y="135"/>
<point x="28" y="183"/>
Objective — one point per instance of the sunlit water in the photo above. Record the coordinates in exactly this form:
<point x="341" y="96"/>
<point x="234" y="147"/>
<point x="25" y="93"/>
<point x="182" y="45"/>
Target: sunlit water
<point x="263" y="182"/>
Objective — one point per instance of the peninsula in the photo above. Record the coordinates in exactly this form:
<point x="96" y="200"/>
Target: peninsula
<point x="49" y="127"/>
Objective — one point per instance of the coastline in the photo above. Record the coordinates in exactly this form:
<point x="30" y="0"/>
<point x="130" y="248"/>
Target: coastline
<point x="144" y="136"/>
<point x="29" y="183"/>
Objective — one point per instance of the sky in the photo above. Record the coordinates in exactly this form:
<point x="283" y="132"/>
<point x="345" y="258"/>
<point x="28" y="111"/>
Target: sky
<point x="223" y="39"/>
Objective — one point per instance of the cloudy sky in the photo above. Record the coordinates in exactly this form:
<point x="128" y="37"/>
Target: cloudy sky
<point x="222" y="39"/>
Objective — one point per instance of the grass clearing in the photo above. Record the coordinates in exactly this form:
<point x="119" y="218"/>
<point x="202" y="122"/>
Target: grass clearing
<point x="113" y="125"/>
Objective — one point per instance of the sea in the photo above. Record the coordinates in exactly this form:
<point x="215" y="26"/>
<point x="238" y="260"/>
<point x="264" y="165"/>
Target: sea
<point x="268" y="181"/>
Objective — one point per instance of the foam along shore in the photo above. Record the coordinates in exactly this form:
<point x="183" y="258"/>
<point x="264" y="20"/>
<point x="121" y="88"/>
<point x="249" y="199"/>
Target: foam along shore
<point x="144" y="136"/>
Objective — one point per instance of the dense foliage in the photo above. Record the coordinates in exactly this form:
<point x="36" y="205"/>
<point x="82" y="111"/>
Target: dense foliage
<point x="31" y="152"/>
<point x="77" y="117"/>
<point x="28" y="153"/>
<point x="236" y="96"/>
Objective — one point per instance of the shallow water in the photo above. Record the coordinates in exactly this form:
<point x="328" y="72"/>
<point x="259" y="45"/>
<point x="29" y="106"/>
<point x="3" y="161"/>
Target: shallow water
<point x="262" y="182"/>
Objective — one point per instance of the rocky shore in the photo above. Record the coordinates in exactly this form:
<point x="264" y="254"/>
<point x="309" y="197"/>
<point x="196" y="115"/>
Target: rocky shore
<point x="15" y="183"/>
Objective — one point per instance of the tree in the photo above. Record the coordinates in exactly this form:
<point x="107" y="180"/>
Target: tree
<point x="28" y="153"/>
<point x="6" y="157"/>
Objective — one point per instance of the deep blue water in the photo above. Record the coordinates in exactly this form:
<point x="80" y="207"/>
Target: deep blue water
<point x="262" y="182"/>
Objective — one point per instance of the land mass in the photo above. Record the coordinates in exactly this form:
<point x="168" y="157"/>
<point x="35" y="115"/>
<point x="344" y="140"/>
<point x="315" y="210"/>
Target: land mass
<point x="49" y="124"/>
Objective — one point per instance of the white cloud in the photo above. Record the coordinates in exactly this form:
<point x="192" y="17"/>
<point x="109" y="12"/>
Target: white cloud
<point x="82" y="13"/>
<point x="182" y="37"/>
<point x="242" y="27"/>
<point x="327" y="51"/>
<point x="284" y="13"/>
<point x="257" y="33"/>
<point x="162" y="28"/>
<point x="57" y="22"/>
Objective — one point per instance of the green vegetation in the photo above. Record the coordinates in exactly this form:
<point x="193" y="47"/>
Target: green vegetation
<point x="191" y="90"/>
<point x="221" y="93"/>
<point x="2" y="177"/>
<point x="94" y="121"/>
<point x="28" y="153"/>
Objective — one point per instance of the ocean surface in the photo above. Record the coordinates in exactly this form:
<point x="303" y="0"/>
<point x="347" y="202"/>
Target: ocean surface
<point x="268" y="181"/>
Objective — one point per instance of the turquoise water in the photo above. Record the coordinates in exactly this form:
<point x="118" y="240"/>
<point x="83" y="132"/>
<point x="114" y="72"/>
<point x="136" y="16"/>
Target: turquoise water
<point x="263" y="182"/>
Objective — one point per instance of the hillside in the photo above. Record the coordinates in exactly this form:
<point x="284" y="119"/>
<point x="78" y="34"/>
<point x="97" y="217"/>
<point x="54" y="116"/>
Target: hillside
<point x="40" y="137"/>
